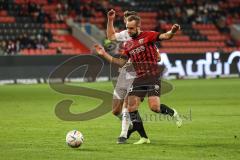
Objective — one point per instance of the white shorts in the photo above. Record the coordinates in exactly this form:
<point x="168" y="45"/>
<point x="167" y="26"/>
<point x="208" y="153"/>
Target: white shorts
<point x="124" y="82"/>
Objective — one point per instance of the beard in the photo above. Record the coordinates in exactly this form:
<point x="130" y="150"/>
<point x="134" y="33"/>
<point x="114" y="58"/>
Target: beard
<point x="134" y="35"/>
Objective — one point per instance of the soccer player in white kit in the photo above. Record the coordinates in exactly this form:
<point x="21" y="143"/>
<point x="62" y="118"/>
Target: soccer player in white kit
<point x="124" y="82"/>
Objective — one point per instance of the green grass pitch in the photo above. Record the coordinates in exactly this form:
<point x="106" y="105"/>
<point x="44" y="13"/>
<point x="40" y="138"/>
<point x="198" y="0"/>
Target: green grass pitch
<point x="30" y="130"/>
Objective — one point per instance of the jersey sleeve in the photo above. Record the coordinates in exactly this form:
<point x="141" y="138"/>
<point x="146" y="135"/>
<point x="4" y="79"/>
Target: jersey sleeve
<point x="124" y="50"/>
<point x="120" y="36"/>
<point x="153" y="36"/>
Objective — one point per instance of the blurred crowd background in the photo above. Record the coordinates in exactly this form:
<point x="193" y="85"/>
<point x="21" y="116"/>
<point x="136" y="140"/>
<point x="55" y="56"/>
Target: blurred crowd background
<point x="40" y="27"/>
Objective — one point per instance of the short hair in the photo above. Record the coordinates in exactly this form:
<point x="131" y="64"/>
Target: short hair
<point x="129" y="13"/>
<point x="134" y="18"/>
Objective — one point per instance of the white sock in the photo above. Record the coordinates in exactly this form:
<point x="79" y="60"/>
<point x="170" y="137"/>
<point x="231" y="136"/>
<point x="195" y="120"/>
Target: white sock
<point x="125" y="124"/>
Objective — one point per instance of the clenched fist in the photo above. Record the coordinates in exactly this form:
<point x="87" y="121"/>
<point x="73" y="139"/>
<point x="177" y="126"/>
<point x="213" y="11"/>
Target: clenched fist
<point x="175" y="28"/>
<point x="111" y="14"/>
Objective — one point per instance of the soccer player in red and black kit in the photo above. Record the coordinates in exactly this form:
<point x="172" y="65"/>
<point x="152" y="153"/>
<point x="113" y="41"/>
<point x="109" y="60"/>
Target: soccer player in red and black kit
<point x="143" y="55"/>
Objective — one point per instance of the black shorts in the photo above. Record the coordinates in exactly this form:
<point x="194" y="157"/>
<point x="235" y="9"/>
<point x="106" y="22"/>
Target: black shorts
<point x="141" y="87"/>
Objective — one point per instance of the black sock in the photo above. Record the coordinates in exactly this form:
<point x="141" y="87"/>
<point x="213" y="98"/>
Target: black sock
<point x="137" y="124"/>
<point x="164" y="109"/>
<point x="130" y="131"/>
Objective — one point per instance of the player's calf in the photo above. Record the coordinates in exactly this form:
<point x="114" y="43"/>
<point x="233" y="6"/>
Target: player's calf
<point x="133" y="103"/>
<point x="117" y="107"/>
<point x="154" y="104"/>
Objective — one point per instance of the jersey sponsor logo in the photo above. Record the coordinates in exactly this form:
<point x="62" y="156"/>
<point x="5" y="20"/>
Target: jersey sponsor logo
<point x="137" y="50"/>
<point x="128" y="44"/>
<point x="140" y="41"/>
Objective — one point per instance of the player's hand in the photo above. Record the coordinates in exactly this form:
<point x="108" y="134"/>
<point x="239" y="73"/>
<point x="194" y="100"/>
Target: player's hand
<point x="111" y="14"/>
<point x="175" y="28"/>
<point x="100" y="50"/>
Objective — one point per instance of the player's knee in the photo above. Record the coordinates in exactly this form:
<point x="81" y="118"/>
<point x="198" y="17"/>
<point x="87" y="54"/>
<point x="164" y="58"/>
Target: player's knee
<point x="116" y="111"/>
<point x="117" y="106"/>
<point x="132" y="106"/>
<point x="154" y="104"/>
<point x="155" y="108"/>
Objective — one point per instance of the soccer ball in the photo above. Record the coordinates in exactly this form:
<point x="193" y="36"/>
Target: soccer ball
<point x="74" y="139"/>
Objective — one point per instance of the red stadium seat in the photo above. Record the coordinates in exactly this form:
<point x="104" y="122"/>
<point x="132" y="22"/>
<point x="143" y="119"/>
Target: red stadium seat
<point x="209" y="32"/>
<point x="204" y="26"/>
<point x="217" y="38"/>
<point x="192" y="44"/>
<point x="7" y="19"/>
<point x="61" y="44"/>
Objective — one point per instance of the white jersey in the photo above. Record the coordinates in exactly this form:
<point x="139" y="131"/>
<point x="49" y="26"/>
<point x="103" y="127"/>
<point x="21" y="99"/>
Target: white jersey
<point x="122" y="36"/>
<point x="125" y="78"/>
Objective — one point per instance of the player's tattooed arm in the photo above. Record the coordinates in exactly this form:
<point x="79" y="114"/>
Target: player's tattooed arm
<point x="169" y="34"/>
<point x="101" y="51"/>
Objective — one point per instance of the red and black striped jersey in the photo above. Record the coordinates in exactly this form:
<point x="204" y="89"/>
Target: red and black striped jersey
<point x="143" y="53"/>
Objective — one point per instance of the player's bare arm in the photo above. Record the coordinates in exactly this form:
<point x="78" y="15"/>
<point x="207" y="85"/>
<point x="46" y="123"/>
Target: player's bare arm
<point x="169" y="34"/>
<point x="101" y="51"/>
<point x="110" y="28"/>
